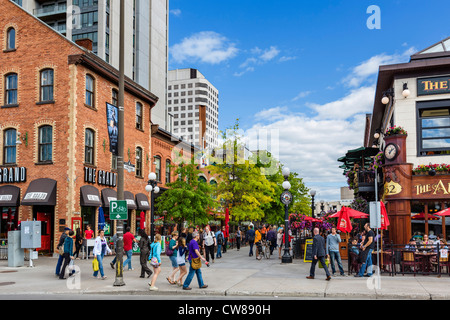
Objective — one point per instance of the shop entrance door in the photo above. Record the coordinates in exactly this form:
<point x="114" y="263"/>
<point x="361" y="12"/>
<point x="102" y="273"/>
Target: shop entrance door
<point x="45" y="219"/>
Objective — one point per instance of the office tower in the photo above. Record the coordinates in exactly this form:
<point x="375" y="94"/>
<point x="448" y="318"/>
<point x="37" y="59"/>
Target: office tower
<point x="193" y="102"/>
<point x="146" y="37"/>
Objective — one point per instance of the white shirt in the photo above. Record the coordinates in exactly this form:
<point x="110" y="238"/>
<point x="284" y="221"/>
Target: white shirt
<point x="208" y="238"/>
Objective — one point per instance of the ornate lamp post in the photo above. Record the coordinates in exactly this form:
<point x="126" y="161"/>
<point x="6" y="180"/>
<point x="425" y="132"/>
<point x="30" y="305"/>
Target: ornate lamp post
<point x="286" y="199"/>
<point x="152" y="188"/>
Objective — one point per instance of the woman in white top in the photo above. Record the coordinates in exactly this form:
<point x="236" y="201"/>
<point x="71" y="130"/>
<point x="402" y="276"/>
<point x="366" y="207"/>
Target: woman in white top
<point x="100" y="250"/>
<point x="209" y="241"/>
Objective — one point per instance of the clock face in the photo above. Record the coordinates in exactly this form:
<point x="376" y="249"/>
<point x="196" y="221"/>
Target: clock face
<point x="391" y="151"/>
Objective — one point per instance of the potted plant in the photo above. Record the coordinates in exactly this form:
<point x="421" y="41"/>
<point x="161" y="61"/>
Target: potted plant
<point x="392" y="131"/>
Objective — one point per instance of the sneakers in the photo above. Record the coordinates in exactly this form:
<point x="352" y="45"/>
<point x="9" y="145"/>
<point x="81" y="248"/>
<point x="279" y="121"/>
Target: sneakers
<point x="328" y="278"/>
<point x="153" y="289"/>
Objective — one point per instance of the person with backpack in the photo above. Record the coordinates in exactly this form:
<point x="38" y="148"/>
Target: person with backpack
<point x="209" y="242"/>
<point x="220" y="241"/>
<point x="251" y="239"/>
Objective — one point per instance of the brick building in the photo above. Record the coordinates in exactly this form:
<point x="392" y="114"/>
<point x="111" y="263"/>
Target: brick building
<point x="55" y="159"/>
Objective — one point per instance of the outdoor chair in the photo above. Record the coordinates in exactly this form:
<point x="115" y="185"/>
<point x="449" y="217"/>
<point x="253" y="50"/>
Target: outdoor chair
<point x="389" y="262"/>
<point x="443" y="262"/>
<point x="354" y="263"/>
<point x="410" y="260"/>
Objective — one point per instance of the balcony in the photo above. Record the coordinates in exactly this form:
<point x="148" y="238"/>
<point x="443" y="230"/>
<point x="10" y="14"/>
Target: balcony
<point x="366" y="181"/>
<point x="52" y="11"/>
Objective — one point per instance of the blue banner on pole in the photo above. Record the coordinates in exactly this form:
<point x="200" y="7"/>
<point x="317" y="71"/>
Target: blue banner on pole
<point x="112" y="118"/>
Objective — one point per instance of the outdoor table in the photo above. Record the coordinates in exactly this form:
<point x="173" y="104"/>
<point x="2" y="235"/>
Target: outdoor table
<point x="425" y="260"/>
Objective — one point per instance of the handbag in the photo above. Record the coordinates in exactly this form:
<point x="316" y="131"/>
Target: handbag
<point x="169" y="252"/>
<point x="196" y="263"/>
<point x="327" y="262"/>
<point x="153" y="261"/>
<point x="95" y="264"/>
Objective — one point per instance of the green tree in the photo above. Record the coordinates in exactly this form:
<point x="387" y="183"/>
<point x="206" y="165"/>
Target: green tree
<point x="187" y="198"/>
<point x="241" y="186"/>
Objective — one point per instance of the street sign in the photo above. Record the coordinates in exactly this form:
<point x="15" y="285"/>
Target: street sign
<point x="375" y="214"/>
<point x="118" y="210"/>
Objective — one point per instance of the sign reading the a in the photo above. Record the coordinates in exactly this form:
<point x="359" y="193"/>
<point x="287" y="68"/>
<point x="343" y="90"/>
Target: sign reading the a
<point x="118" y="210"/>
<point x="435" y="85"/>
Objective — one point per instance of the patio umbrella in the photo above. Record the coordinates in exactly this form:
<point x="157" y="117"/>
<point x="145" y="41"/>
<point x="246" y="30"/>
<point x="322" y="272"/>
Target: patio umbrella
<point x="444" y="213"/>
<point x="101" y="219"/>
<point x="142" y="222"/>
<point x="421" y="216"/>
<point x="308" y="218"/>
<point x="344" y="224"/>
<point x="227" y="220"/>
<point x="355" y="214"/>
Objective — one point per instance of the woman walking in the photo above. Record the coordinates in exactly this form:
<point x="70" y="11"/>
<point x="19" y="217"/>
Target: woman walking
<point x="78" y="243"/>
<point x="209" y="242"/>
<point x="68" y="253"/>
<point x="101" y="249"/>
<point x="280" y="241"/>
<point x="144" y="246"/>
<point x="173" y="257"/>
<point x="155" y="260"/>
<point x="181" y="249"/>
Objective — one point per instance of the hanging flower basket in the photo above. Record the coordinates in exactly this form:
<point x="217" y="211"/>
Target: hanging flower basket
<point x="393" y="131"/>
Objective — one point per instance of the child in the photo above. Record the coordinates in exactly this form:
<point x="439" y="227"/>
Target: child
<point x="354" y="248"/>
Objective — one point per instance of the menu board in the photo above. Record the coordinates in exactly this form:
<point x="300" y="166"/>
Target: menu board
<point x="308" y="257"/>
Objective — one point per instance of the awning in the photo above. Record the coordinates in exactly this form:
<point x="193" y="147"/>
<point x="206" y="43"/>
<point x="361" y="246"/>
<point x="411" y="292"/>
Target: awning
<point x="40" y="192"/>
<point x="90" y="197"/>
<point x="362" y="156"/>
<point x="130" y="200"/>
<point x="9" y="196"/>
<point x="107" y="196"/>
<point x="142" y="202"/>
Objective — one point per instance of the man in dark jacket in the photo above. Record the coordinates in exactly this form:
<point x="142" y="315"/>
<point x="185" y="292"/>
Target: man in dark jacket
<point x="272" y="238"/>
<point x="318" y="253"/>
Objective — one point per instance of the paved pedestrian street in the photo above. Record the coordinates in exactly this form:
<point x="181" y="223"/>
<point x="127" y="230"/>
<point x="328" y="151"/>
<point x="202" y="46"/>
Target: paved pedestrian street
<point x="234" y="275"/>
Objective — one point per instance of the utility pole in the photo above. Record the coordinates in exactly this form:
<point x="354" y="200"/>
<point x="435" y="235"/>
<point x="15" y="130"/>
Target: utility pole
<point x="120" y="172"/>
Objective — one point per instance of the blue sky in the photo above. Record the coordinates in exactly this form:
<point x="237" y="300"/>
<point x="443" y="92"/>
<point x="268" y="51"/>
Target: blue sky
<point x="304" y="68"/>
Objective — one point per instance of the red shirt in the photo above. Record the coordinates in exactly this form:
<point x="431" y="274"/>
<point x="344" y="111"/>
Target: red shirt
<point x="89" y="234"/>
<point x="128" y="241"/>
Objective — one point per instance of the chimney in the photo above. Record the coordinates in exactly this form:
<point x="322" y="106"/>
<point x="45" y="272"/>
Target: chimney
<point x="85" y="43"/>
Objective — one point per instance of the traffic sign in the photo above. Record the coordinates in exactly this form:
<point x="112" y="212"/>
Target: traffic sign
<point x="118" y="210"/>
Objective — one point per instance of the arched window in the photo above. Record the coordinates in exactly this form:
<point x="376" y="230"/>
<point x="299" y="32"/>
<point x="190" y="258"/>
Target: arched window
<point x="11" y="89"/>
<point x="201" y="179"/>
<point x="89" y="146"/>
<point x="139" y="162"/>
<point x="9" y="146"/>
<point x="167" y="171"/>
<point x="11" y="39"/>
<point x="139" y="116"/>
<point x="90" y="91"/>
<point x="158" y="168"/>
<point x="45" y="144"/>
<point x="47" y="85"/>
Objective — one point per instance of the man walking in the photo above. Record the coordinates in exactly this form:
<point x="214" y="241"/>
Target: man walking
<point x="318" y="252"/>
<point x="333" y="241"/>
<point x="366" y="254"/>
<point x="251" y="239"/>
<point x="128" y="239"/>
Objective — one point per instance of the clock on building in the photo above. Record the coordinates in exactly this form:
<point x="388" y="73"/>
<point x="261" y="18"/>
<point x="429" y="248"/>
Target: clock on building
<point x="391" y="151"/>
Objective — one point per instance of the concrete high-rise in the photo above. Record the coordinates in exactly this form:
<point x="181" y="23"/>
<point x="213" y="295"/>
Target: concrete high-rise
<point x="146" y="37"/>
<point x="193" y="102"/>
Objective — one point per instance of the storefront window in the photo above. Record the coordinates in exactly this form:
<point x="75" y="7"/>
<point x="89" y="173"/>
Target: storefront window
<point x="8" y="221"/>
<point x="434" y="131"/>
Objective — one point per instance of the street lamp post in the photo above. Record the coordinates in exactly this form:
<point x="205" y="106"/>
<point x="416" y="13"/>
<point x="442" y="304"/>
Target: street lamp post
<point x="312" y="193"/>
<point x="152" y="188"/>
<point x="286" y="199"/>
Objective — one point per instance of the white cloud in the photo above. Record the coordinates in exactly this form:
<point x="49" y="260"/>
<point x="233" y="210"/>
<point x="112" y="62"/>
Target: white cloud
<point x="206" y="46"/>
<point x="301" y="95"/>
<point x="259" y="57"/>
<point x="369" y="68"/>
<point x="176" y="12"/>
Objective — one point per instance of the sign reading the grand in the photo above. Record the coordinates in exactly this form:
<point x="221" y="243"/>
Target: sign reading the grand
<point x="435" y="85"/>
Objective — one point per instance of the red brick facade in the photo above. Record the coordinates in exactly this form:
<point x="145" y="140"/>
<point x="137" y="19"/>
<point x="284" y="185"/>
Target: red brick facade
<point x="38" y="47"/>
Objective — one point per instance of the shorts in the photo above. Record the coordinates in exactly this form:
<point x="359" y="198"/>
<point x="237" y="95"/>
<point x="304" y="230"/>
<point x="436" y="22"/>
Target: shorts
<point x="182" y="264"/>
<point x="173" y="259"/>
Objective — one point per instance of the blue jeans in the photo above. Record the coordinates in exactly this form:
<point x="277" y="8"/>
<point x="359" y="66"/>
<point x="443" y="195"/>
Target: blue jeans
<point x="59" y="264"/>
<point x="368" y="264"/>
<point x="219" y="251"/>
<point x="190" y="276"/>
<point x="100" y="265"/>
<point x="128" y="261"/>
<point x="337" y="256"/>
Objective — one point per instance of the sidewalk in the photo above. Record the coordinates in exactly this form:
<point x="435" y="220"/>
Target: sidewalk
<point x="236" y="274"/>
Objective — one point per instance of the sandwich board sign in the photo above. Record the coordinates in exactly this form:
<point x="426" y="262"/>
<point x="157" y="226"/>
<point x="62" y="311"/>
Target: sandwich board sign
<point x="118" y="210"/>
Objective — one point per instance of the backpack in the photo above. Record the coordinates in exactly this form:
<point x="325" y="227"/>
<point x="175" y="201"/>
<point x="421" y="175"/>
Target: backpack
<point x="251" y="236"/>
<point x="220" y="238"/>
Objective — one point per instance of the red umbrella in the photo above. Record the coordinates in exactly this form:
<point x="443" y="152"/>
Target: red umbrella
<point x="421" y="216"/>
<point x="142" y="222"/>
<point x="444" y="213"/>
<point x="352" y="213"/>
<point x="384" y="217"/>
<point x="308" y="218"/>
<point x="227" y="219"/>
<point x="344" y="224"/>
